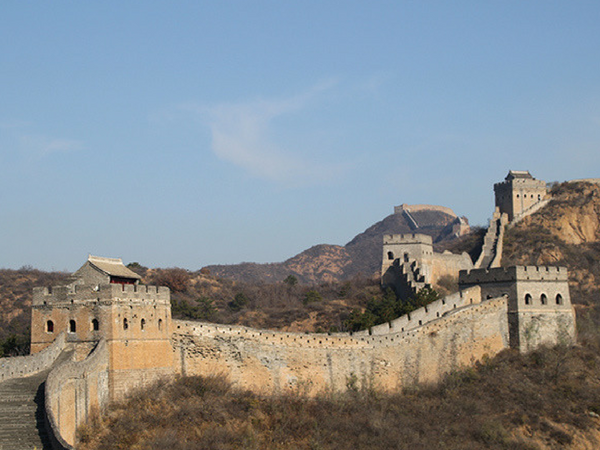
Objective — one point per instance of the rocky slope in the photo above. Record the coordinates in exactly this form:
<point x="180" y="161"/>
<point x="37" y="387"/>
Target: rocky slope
<point x="327" y="263"/>
<point x="566" y="232"/>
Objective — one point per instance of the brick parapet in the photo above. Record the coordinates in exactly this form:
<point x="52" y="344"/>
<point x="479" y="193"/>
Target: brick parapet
<point x="85" y="383"/>
<point x="103" y="293"/>
<point x="22" y="366"/>
<point x="416" y="208"/>
<point x="430" y="312"/>
<point x="521" y="182"/>
<point x="407" y="238"/>
<point x="406" y="324"/>
<point x="513" y="273"/>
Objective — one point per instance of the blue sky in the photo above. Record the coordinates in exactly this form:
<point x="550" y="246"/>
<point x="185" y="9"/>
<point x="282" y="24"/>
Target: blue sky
<point x="202" y="132"/>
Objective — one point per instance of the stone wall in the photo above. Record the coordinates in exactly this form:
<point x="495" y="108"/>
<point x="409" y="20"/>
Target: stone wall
<point x="269" y="361"/>
<point x="403" y="248"/>
<point x="73" y="390"/>
<point x="415" y="208"/>
<point x="86" y="312"/>
<point x="539" y="306"/>
<point x="428" y="313"/>
<point x="513" y="196"/>
<point x="22" y="366"/>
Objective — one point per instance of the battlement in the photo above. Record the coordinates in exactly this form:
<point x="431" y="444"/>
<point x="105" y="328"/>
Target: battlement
<point x="525" y="182"/>
<point x="513" y="273"/>
<point x="75" y="293"/>
<point x="408" y="238"/>
<point x="415" y="208"/>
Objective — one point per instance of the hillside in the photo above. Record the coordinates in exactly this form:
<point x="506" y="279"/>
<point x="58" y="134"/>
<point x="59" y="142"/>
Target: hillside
<point x="564" y="233"/>
<point x="15" y="305"/>
<point x="549" y="399"/>
<point x="328" y="263"/>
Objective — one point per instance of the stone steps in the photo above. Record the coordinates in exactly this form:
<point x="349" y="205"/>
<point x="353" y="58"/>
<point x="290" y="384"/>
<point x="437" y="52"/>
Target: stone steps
<point x="22" y="413"/>
<point x="22" y="410"/>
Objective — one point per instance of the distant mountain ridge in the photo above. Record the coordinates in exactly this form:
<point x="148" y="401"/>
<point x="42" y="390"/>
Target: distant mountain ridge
<point x="361" y="256"/>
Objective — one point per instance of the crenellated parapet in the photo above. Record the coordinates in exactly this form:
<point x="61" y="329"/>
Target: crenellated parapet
<point x="77" y="293"/>
<point x="407" y="238"/>
<point x="513" y="273"/>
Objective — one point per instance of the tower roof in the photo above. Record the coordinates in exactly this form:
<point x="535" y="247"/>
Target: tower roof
<point x="518" y="174"/>
<point x="111" y="267"/>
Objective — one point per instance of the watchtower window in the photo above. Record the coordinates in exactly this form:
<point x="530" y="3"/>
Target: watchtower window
<point x="390" y="255"/>
<point x="72" y="326"/>
<point x="528" y="299"/>
<point x="544" y="299"/>
<point x="50" y="327"/>
<point x="125" y="324"/>
<point x="159" y="324"/>
<point x="143" y="323"/>
<point x="559" y="299"/>
<point x="95" y="325"/>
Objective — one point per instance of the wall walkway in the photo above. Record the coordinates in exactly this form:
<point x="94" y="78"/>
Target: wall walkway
<point x="22" y="366"/>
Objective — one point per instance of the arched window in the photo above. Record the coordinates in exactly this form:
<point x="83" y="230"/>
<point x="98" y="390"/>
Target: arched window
<point x="125" y="323"/>
<point x="95" y="325"/>
<point x="544" y="299"/>
<point x="143" y="323"/>
<point x="50" y="327"/>
<point x="390" y="255"/>
<point x="72" y="326"/>
<point x="528" y="299"/>
<point x="159" y="324"/>
<point x="559" y="299"/>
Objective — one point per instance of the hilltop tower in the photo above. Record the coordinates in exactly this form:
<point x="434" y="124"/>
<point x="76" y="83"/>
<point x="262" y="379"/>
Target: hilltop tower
<point x="519" y="193"/>
<point x="105" y="301"/>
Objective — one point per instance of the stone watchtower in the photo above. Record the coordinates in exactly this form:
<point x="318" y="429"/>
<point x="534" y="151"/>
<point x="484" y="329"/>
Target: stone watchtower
<point x="539" y="304"/>
<point x="106" y="301"/>
<point x="518" y="193"/>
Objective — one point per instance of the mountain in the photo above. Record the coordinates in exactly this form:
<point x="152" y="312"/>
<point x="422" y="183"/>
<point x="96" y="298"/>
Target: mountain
<point x="361" y="256"/>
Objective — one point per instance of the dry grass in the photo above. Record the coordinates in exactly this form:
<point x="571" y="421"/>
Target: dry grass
<point x="546" y="392"/>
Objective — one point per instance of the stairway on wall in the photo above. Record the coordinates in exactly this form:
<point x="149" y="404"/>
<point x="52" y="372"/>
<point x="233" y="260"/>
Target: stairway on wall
<point x="412" y="223"/>
<point x="22" y="411"/>
<point x="490" y="244"/>
<point x="412" y="278"/>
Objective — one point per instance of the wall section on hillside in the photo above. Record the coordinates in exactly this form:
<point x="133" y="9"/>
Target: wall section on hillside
<point x="73" y="390"/>
<point x="268" y="362"/>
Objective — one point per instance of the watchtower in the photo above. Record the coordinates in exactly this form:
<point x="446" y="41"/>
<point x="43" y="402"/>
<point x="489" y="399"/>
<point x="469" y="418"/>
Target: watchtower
<point x="405" y="247"/>
<point x="106" y="301"/>
<point x="519" y="192"/>
<point x="539" y="303"/>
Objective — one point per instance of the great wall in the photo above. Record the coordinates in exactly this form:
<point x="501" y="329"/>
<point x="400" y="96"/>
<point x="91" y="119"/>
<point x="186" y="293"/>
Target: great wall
<point x="103" y="334"/>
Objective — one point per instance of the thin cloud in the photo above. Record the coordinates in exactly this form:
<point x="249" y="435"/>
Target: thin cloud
<point x="11" y="125"/>
<point x="242" y="135"/>
<point x="42" y="146"/>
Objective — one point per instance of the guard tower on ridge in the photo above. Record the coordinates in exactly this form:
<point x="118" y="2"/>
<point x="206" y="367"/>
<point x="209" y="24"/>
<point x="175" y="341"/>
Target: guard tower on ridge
<point x="519" y="193"/>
